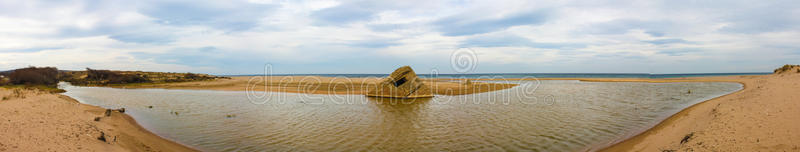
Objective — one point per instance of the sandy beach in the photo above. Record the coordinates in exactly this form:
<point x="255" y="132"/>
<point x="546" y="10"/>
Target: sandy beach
<point x="39" y="121"/>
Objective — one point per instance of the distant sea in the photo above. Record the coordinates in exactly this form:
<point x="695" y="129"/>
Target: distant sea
<point x="537" y="75"/>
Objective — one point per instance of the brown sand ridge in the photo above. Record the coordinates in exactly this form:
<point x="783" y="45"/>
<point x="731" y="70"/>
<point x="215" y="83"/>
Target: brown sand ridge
<point x="37" y="121"/>
<point x="761" y="117"/>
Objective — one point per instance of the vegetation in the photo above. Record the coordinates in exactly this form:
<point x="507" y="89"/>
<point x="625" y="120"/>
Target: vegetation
<point x="108" y="77"/>
<point x="44" y="88"/>
<point x="31" y="78"/>
<point x="787" y="68"/>
<point x="47" y="76"/>
<point x="3" y="80"/>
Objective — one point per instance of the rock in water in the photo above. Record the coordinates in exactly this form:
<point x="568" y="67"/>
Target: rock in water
<point x="402" y="83"/>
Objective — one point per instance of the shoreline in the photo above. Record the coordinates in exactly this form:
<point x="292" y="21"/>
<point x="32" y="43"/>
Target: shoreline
<point x="717" y="123"/>
<point x="138" y="126"/>
<point x="40" y="121"/>
<point x="629" y="142"/>
<point x="665" y="121"/>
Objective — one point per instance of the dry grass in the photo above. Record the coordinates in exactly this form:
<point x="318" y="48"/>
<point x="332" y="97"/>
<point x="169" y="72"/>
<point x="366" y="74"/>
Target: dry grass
<point x="787" y="69"/>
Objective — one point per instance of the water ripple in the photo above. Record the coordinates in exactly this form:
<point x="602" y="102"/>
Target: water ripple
<point x="583" y="116"/>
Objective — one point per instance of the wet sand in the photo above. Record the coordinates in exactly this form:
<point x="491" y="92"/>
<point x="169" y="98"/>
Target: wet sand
<point x="38" y="121"/>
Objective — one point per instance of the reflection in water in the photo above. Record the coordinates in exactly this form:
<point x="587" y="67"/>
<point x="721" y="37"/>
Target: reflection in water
<point x="401" y="119"/>
<point x="558" y="116"/>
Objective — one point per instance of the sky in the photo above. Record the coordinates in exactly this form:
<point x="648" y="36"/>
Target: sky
<point x="330" y="36"/>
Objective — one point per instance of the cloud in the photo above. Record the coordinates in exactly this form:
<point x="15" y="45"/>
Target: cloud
<point x="387" y="27"/>
<point x="29" y="50"/>
<point x="678" y="51"/>
<point x="621" y="55"/>
<point x="157" y="38"/>
<point x="666" y="41"/>
<point x="202" y="56"/>
<point x="622" y="26"/>
<point x="343" y="14"/>
<point x="210" y="58"/>
<point x="655" y="33"/>
<point x="228" y="15"/>
<point x="340" y="36"/>
<point x="509" y="40"/>
<point x="376" y="43"/>
<point x="359" y="12"/>
<point x="770" y="17"/>
<point x="467" y="24"/>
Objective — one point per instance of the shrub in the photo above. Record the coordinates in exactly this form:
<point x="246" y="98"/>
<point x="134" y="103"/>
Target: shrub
<point x="786" y="68"/>
<point x="35" y="76"/>
<point x="195" y="77"/>
<point x="192" y="76"/>
<point x="3" y="80"/>
<point x="127" y="78"/>
<point x="99" y="74"/>
<point x="112" y="77"/>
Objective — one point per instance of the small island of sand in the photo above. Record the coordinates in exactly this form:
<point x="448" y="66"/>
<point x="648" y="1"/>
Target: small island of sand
<point x="322" y="85"/>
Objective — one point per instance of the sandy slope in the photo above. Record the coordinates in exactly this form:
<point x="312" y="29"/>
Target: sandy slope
<point x="764" y="116"/>
<point x="321" y="85"/>
<point x="37" y="121"/>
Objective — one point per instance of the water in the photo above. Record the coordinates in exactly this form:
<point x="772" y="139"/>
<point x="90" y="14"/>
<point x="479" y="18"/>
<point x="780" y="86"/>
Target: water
<point x="537" y="75"/>
<point x="550" y="116"/>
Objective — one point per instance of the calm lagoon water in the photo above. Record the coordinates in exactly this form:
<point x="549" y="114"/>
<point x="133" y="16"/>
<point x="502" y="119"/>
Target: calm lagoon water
<point x="535" y="116"/>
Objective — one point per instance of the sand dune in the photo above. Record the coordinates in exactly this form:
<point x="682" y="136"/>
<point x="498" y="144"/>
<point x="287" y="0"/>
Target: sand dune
<point x="38" y="121"/>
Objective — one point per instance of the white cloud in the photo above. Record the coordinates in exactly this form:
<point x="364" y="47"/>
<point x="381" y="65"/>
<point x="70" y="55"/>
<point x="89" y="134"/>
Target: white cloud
<point x="312" y="36"/>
